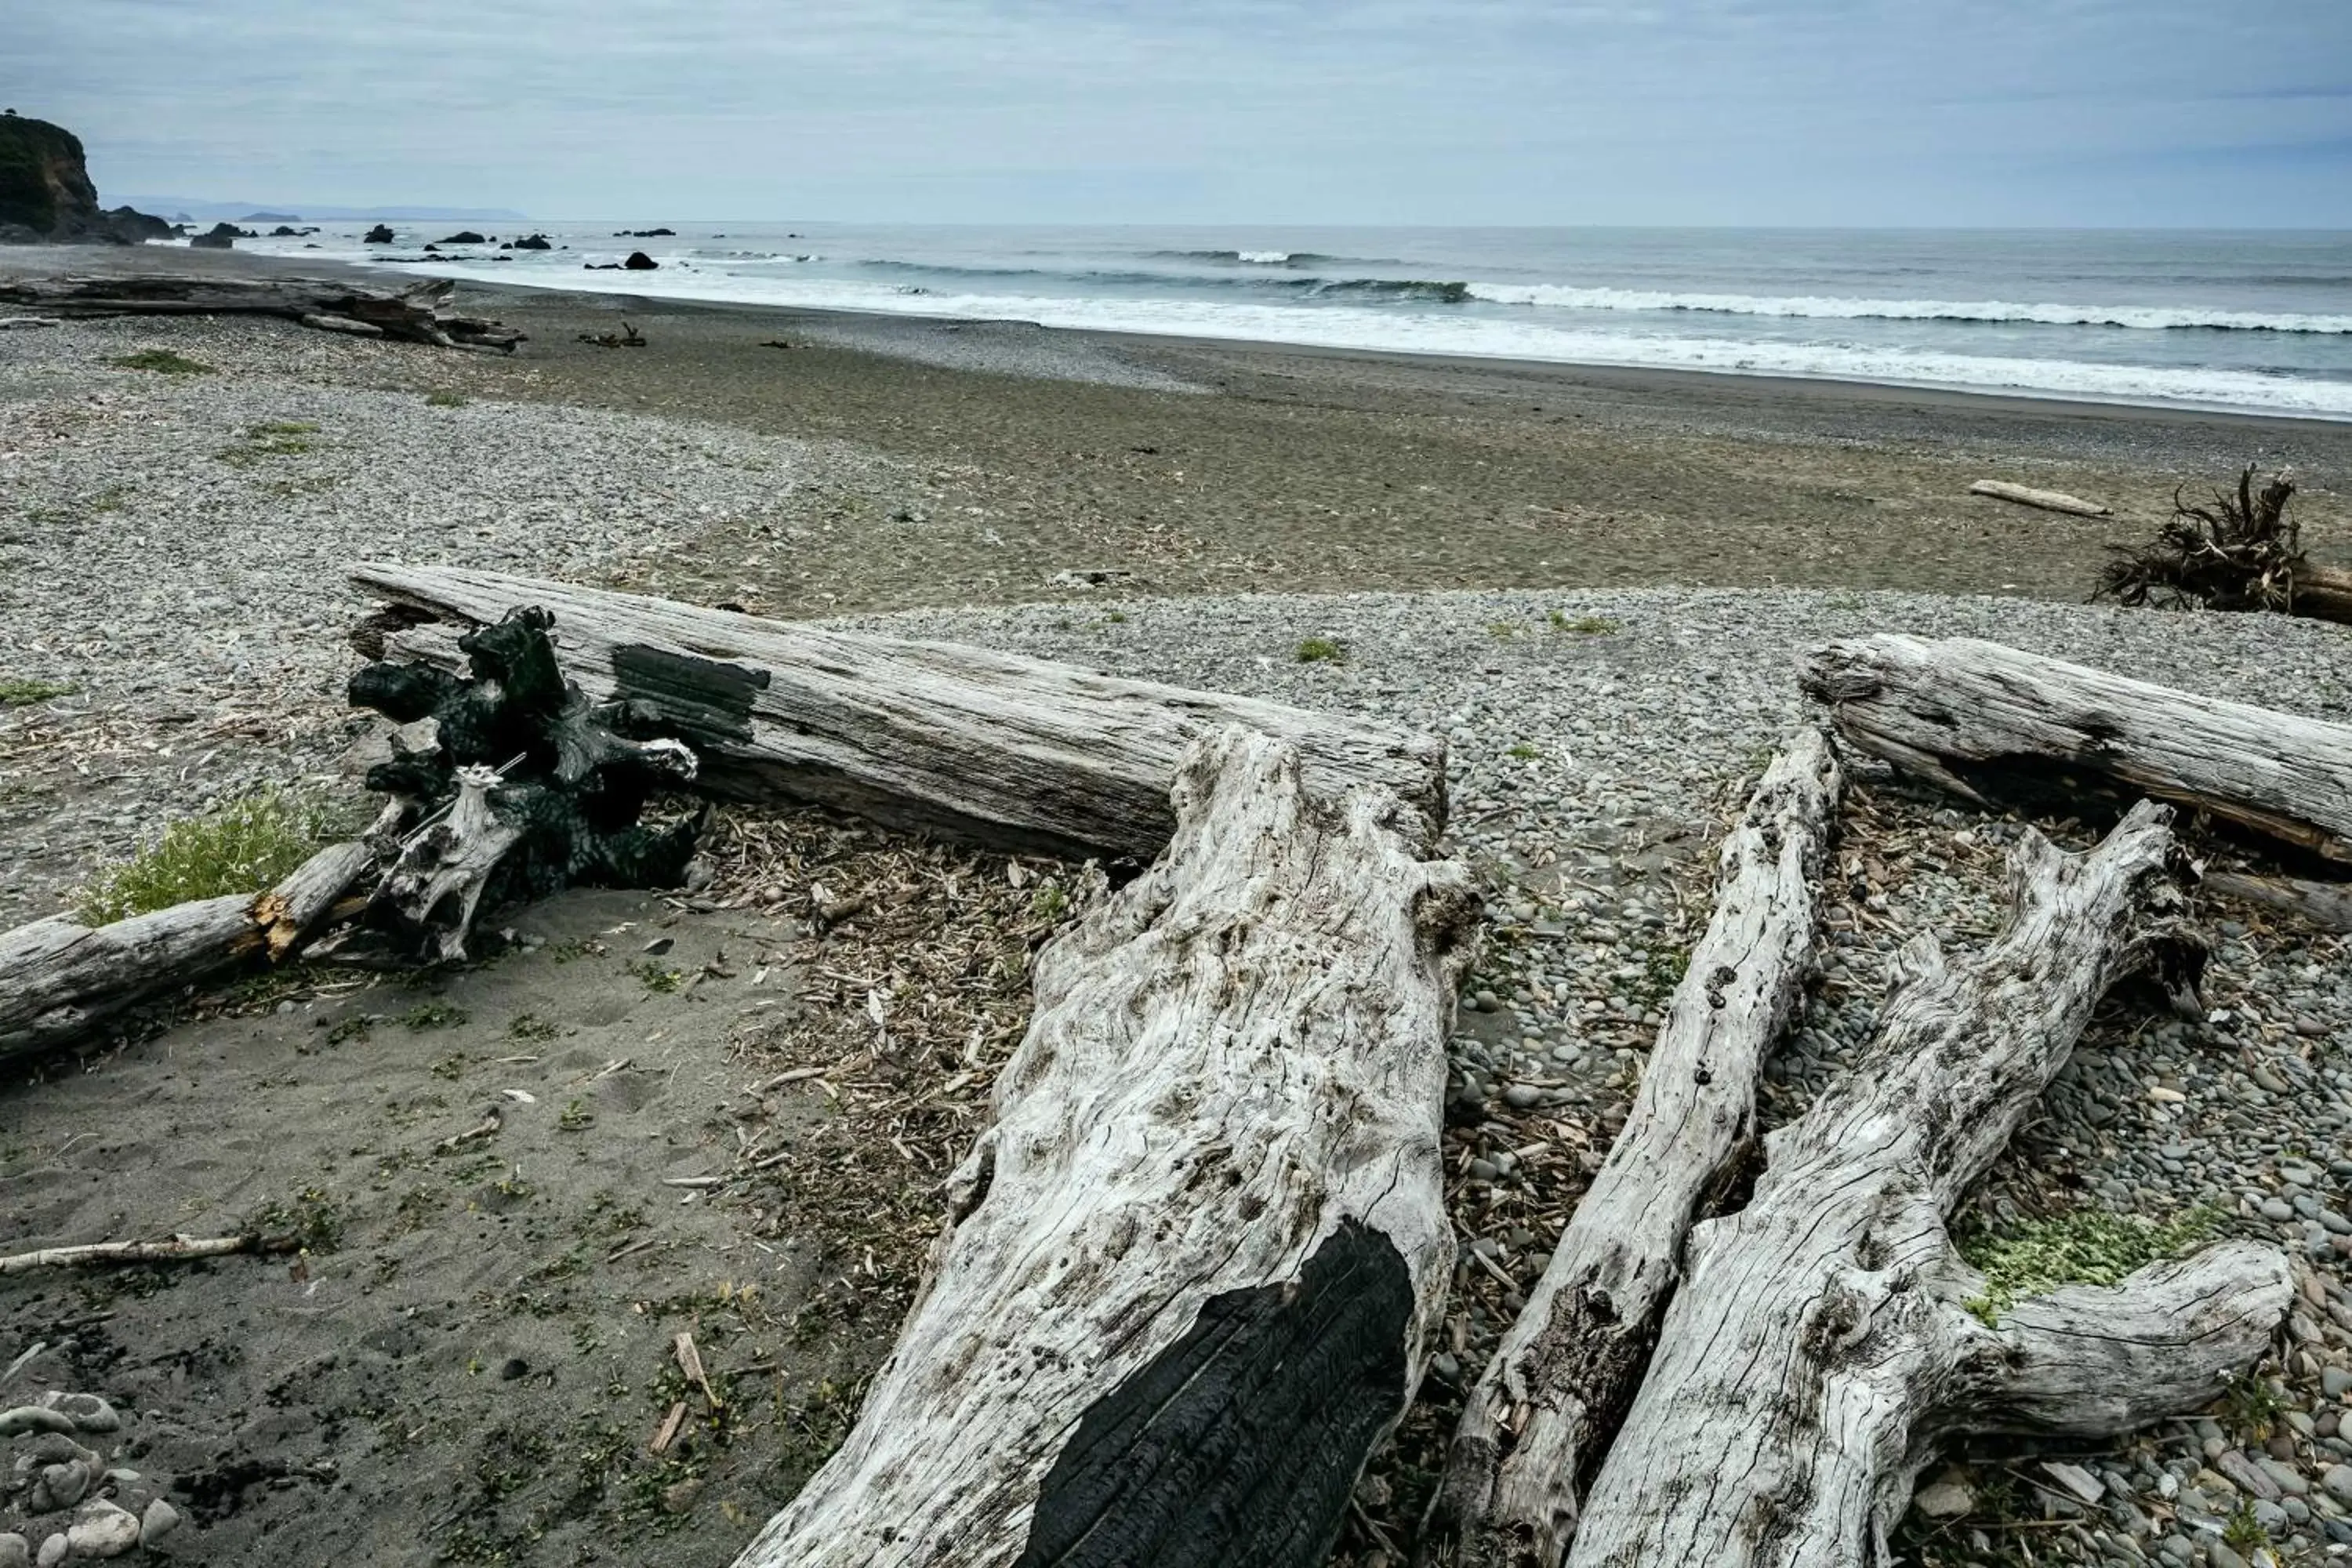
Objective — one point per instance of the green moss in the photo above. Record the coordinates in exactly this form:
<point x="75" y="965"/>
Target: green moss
<point x="281" y="428"/>
<point x="1321" y="650"/>
<point x="531" y="1026"/>
<point x="15" y="692"/>
<point x="1524" y="752"/>
<point x="660" y="981"/>
<point x="434" y="1015"/>
<point x="442" y="398"/>
<point x="240" y="849"/>
<point x="2087" y="1247"/>
<point x="1585" y="626"/>
<point x="162" y="362"/>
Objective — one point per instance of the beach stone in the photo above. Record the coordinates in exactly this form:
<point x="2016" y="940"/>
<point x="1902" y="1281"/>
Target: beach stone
<point x="103" y="1530"/>
<point x="160" y="1519"/>
<point x="88" y="1412"/>
<point x="2335" y="1381"/>
<point x="2288" y="1480"/>
<point x="1949" y="1497"/>
<point x="1523" y="1097"/>
<point x="2221" y="1556"/>
<point x="2338" y="1482"/>
<point x="60" y="1486"/>
<point x="33" y="1418"/>
<point x="16" y="1551"/>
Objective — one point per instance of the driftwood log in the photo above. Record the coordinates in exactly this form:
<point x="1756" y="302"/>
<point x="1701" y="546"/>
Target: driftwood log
<point x="1532" y="1425"/>
<point x="1828" y="1337"/>
<point x="1016" y="752"/>
<point x="2239" y="552"/>
<point x="2041" y="500"/>
<point x="1193" y="1269"/>
<point x="2327" y="905"/>
<point x="1964" y="712"/>
<point x="59" y="977"/>
<point x="421" y="313"/>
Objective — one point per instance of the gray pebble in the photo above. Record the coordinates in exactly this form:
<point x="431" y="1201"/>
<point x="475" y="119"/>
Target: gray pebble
<point x="16" y="1551"/>
<point x="103" y="1530"/>
<point x="53" y="1551"/>
<point x="160" y="1519"/>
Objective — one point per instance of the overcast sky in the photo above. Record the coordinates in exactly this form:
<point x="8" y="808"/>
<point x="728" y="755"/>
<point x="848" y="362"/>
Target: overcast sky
<point x="2165" y="112"/>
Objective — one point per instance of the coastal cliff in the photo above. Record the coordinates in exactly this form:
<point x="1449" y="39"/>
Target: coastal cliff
<point x="45" y="194"/>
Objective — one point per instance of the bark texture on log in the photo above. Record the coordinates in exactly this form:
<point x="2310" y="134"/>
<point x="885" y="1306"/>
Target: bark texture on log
<point x="1822" y="1346"/>
<point x="1956" y="707"/>
<point x="1568" y="1366"/>
<point x="1016" y="752"/>
<point x="1192" y="1269"/>
<point x="59" y="977"/>
<point x="420" y="312"/>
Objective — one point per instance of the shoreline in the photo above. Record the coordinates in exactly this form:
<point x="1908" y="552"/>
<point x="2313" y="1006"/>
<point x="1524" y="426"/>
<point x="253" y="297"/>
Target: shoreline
<point x="1627" y="374"/>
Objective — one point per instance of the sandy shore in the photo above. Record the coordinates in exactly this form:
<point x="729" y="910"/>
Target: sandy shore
<point x="475" y="1363"/>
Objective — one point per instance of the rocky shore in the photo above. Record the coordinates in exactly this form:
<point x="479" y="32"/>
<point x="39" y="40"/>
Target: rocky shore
<point x="172" y="544"/>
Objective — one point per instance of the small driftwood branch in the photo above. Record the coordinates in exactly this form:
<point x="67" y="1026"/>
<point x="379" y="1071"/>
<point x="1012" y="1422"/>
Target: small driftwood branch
<point x="420" y="312"/>
<point x="1016" y="752"/>
<point x="1827" y="1341"/>
<point x="1570" y="1363"/>
<point x="2327" y="905"/>
<point x="1192" y="1269"/>
<point x="59" y="978"/>
<point x="178" y="1249"/>
<point x="2045" y="501"/>
<point x="1965" y="713"/>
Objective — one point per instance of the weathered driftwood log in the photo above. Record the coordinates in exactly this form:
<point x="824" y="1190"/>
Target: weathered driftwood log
<point x="1193" y="1267"/>
<point x="58" y="977"/>
<point x="1532" y="1425"/>
<point x="1962" y="712"/>
<point x="1828" y="1338"/>
<point x="528" y="786"/>
<point x="173" y="1249"/>
<point x="1012" y="751"/>
<point x="420" y="312"/>
<point x="2240" y="552"/>
<point x="2327" y="905"/>
<point x="2044" y="501"/>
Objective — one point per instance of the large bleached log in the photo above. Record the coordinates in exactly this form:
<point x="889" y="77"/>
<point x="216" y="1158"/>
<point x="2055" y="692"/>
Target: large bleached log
<point x="59" y="978"/>
<point x="420" y="312"/>
<point x="1193" y="1269"/>
<point x="1959" y="711"/>
<point x="1823" y="1344"/>
<point x="1013" y="752"/>
<point x="1569" y="1362"/>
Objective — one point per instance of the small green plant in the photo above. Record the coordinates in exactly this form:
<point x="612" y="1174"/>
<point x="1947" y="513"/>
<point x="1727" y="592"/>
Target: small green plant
<point x="661" y="982"/>
<point x="2244" y="1533"/>
<point x="2253" y="1408"/>
<point x="162" y="362"/>
<point x="1321" y="650"/>
<point x="434" y="1015"/>
<point x="531" y="1026"/>
<point x="241" y="848"/>
<point x="18" y="692"/>
<point x="2086" y="1246"/>
<point x="1116" y="617"/>
<point x="1585" y="626"/>
<point x="451" y="1067"/>
<point x="441" y="397"/>
<point x="281" y="428"/>
<point x="576" y="1118"/>
<point x="314" y="1220"/>
<point x="355" y="1027"/>
<point x="1524" y="752"/>
<point x="1049" y="902"/>
<point x="1504" y="631"/>
<point x="113" y="498"/>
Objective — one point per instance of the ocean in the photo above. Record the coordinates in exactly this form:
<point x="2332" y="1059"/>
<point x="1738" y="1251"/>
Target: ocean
<point x="2249" y="321"/>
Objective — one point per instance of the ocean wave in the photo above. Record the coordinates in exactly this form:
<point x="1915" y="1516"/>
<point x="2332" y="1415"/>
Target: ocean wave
<point x="2145" y="318"/>
<point x="1537" y="336"/>
<point x="1253" y="257"/>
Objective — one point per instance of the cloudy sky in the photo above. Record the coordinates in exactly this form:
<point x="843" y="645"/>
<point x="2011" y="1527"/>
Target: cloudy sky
<point x="2165" y="112"/>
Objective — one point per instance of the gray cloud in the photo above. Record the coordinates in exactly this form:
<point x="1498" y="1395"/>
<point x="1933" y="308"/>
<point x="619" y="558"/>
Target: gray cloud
<point x="1859" y="111"/>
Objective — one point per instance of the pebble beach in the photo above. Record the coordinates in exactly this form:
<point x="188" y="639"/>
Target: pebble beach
<point x="171" y="548"/>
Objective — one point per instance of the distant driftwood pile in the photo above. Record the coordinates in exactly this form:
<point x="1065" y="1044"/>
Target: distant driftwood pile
<point x="1192" y="1275"/>
<point x="420" y="312"/>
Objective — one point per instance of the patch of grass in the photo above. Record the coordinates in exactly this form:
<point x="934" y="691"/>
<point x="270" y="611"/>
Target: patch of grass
<point x="241" y="848"/>
<point x="275" y="427"/>
<point x="2252" y="1409"/>
<point x="451" y="1067"/>
<point x="661" y="982"/>
<point x="354" y="1027"/>
<point x="1504" y="631"/>
<point x="18" y="692"/>
<point x="2086" y="1246"/>
<point x="162" y="362"/>
<point x="1585" y="626"/>
<point x="531" y="1026"/>
<point x="113" y="498"/>
<point x="256" y="450"/>
<point x="434" y="1015"/>
<point x="1322" y="650"/>
<point x="441" y="397"/>
<point x="313" y="1219"/>
<point x="576" y="1118"/>
<point x="1524" y="752"/>
<point x="2243" y="1531"/>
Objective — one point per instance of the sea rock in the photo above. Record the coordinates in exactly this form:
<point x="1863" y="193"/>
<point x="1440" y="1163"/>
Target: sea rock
<point x="221" y="237"/>
<point x="642" y="233"/>
<point x="465" y="236"/>
<point x="380" y="234"/>
<point x="639" y="261"/>
<point x="103" y="1530"/>
<point x="45" y="194"/>
<point x="534" y="242"/>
